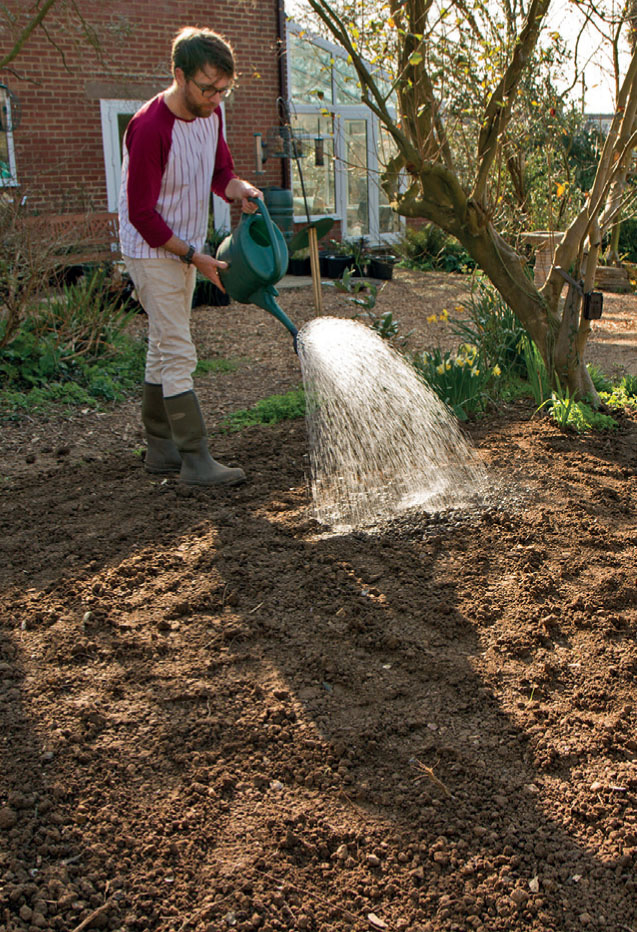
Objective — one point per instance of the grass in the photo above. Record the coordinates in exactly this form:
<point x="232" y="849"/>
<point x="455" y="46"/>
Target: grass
<point x="208" y="366"/>
<point x="268" y="411"/>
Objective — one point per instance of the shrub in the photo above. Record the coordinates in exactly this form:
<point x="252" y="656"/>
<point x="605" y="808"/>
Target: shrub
<point x="429" y="247"/>
<point x="74" y="338"/>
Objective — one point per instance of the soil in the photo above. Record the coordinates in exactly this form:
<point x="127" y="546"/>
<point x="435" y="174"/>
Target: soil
<point x="215" y="714"/>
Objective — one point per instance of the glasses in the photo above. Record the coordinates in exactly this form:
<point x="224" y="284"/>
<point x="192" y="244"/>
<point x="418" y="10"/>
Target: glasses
<point x="209" y="90"/>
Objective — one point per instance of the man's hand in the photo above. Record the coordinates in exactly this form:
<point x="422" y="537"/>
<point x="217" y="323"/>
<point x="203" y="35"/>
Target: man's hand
<point x="239" y="190"/>
<point x="209" y="266"/>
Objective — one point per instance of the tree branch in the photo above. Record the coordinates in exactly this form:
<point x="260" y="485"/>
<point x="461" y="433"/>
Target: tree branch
<point x="26" y="32"/>
<point x="498" y="111"/>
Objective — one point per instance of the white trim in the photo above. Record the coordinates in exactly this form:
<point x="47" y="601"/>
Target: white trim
<point x="12" y="181"/>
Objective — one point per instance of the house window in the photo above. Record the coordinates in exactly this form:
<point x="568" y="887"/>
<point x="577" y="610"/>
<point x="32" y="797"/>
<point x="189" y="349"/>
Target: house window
<point x="326" y="104"/>
<point x="7" y="155"/>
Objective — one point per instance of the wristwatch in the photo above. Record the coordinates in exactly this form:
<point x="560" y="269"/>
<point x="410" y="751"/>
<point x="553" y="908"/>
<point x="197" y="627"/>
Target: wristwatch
<point x="187" y="258"/>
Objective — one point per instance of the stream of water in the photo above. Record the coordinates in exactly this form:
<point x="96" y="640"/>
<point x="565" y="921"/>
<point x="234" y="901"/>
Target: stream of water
<point x="380" y="441"/>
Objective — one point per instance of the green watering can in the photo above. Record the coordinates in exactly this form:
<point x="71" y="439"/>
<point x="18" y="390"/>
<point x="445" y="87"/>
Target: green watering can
<point x="257" y="258"/>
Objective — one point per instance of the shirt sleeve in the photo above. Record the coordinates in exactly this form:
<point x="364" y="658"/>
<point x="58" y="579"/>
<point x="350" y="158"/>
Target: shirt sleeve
<point x="147" y="158"/>
<point x="224" y="164"/>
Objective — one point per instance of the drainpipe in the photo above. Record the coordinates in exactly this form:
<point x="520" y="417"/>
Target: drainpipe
<point x="283" y="78"/>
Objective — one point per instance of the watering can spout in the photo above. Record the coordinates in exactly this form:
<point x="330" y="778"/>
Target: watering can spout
<point x="266" y="298"/>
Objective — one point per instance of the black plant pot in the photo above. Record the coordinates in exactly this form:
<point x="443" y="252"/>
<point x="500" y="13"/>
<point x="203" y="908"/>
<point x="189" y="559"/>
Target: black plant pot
<point x="336" y="265"/>
<point x="207" y="293"/>
<point x="381" y="267"/>
<point x="300" y="266"/>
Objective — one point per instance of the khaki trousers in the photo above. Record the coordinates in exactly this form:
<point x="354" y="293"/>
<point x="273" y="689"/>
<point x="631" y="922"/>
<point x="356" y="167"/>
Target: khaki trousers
<point x="165" y="288"/>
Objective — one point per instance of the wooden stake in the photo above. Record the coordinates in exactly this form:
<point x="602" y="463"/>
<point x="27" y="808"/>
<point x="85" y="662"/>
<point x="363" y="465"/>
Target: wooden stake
<point x="316" y="271"/>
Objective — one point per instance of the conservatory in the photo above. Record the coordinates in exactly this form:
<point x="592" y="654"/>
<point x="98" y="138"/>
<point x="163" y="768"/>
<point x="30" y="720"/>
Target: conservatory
<point x="343" y="145"/>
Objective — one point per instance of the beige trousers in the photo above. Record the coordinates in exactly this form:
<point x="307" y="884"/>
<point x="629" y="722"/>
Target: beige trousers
<point x="165" y="288"/>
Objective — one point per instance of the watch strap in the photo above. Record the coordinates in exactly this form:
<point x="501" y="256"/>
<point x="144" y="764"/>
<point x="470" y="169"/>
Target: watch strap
<point x="187" y="258"/>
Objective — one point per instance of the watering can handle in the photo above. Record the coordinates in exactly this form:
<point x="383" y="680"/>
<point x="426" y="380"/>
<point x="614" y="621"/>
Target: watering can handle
<point x="279" y="258"/>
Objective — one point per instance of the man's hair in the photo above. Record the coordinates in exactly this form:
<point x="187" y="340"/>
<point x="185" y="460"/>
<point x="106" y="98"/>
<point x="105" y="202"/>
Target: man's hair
<point x="194" y="48"/>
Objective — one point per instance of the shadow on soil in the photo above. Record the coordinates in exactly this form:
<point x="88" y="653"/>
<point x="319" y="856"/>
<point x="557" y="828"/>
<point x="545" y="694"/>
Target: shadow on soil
<point x="221" y="692"/>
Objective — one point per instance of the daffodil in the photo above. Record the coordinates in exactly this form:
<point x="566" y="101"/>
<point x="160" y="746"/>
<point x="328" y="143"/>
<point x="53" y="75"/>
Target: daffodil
<point x="432" y="319"/>
<point x="440" y="369"/>
<point x="497" y="371"/>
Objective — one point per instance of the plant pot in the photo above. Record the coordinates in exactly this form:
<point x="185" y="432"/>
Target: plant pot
<point x="206" y="293"/>
<point x="381" y="267"/>
<point x="300" y="266"/>
<point x="336" y="265"/>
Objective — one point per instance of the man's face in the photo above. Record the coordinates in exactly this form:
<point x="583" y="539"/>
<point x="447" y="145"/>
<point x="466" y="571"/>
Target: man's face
<point x="204" y="91"/>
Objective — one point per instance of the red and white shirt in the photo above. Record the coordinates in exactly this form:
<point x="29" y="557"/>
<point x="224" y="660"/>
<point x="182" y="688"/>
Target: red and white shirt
<point x="169" y="167"/>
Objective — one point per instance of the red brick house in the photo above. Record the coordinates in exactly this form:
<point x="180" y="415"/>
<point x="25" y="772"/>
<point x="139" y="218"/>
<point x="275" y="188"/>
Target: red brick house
<point x="78" y="82"/>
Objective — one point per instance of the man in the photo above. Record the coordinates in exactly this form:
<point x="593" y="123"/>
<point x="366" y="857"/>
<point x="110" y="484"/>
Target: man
<point x="174" y="153"/>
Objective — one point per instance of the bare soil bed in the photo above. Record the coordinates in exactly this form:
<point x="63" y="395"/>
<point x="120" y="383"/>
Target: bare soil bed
<point x="214" y="714"/>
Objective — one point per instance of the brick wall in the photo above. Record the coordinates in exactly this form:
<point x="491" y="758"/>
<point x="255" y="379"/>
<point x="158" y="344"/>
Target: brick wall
<point x="58" y="145"/>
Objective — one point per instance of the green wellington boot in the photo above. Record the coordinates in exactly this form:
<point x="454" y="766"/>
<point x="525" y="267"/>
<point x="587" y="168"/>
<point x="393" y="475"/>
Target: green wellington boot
<point x="189" y="434"/>
<point x="162" y="456"/>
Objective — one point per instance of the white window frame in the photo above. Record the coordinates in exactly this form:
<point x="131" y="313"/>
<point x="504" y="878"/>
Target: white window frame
<point x="342" y="112"/>
<point x="109" y="109"/>
<point x="12" y="181"/>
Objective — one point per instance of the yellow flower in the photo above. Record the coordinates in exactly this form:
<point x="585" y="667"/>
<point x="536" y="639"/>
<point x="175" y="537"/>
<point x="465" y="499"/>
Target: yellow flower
<point x="475" y="371"/>
<point x="448" y="365"/>
<point x="444" y="315"/>
<point x="497" y="371"/>
<point x="440" y="369"/>
<point x="432" y="319"/>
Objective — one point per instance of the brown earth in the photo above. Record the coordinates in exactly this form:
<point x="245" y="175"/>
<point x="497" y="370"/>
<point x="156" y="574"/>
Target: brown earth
<point x="216" y="715"/>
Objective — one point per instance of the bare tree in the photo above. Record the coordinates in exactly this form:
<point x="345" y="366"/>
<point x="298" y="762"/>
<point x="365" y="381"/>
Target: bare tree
<point x="463" y="204"/>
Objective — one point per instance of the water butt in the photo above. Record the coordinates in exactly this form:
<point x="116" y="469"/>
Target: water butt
<point x="380" y="441"/>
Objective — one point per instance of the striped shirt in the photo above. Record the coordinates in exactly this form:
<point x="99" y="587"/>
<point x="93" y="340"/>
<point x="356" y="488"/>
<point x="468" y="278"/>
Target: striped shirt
<point x="169" y="167"/>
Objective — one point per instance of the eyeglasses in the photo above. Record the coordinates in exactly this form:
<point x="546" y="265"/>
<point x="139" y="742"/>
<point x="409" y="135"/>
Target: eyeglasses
<point x="209" y="90"/>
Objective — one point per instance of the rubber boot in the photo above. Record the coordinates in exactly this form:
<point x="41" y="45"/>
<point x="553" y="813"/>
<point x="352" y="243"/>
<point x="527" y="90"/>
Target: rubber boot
<point x="162" y="456"/>
<point x="189" y="434"/>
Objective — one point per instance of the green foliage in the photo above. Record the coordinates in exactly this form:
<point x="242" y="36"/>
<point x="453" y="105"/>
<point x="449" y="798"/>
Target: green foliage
<point x="492" y="327"/>
<point x="430" y="248"/>
<point x="536" y="374"/>
<point x="458" y="379"/>
<point x="72" y="349"/>
<point x="206" y="366"/>
<point x="577" y="415"/>
<point x="269" y="410"/>
<point x="387" y="327"/>
<point x="628" y="239"/>
<point x="361" y="294"/>
<point x="599" y="379"/>
<point x="622" y="395"/>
